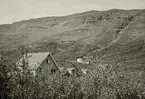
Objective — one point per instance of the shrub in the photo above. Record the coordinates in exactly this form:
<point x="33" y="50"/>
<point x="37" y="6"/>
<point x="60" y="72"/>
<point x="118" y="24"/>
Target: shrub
<point x="98" y="84"/>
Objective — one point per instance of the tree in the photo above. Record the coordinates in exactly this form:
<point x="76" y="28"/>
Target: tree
<point x="4" y="79"/>
<point x="22" y="78"/>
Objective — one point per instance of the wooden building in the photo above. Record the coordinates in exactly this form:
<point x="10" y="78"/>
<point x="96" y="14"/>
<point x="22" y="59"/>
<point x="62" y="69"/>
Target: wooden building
<point x="41" y="63"/>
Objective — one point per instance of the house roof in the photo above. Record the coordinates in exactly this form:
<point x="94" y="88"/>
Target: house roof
<point x="82" y="66"/>
<point x="71" y="65"/>
<point x="65" y="65"/>
<point x="79" y="65"/>
<point x="34" y="60"/>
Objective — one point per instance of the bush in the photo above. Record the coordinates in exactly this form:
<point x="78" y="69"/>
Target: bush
<point x="98" y="84"/>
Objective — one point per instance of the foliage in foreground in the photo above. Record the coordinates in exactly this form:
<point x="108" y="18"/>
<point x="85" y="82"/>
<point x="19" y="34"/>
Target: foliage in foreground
<point x="99" y="84"/>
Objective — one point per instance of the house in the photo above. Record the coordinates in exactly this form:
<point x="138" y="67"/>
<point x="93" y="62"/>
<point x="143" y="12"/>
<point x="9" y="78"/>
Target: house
<point x="67" y="69"/>
<point x="41" y="63"/>
<point x="83" y="69"/>
<point x="80" y="68"/>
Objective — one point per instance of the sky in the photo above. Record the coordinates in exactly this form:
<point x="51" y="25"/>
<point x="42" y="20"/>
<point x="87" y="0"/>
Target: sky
<point x="17" y="10"/>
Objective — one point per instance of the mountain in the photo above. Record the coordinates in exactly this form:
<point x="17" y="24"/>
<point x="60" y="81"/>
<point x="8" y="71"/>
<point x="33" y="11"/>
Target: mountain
<point x="113" y="35"/>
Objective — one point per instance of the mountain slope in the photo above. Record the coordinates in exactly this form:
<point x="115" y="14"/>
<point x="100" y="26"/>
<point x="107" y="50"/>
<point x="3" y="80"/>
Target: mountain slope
<point x="103" y="34"/>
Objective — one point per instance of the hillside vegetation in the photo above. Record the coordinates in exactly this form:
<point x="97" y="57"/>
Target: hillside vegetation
<point x="113" y="35"/>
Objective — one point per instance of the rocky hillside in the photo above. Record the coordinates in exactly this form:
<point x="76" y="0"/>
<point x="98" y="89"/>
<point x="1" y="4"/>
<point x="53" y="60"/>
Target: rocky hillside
<point x="113" y="35"/>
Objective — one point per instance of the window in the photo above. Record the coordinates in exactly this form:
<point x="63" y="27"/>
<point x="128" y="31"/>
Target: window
<point x="47" y="61"/>
<point x="53" y="71"/>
